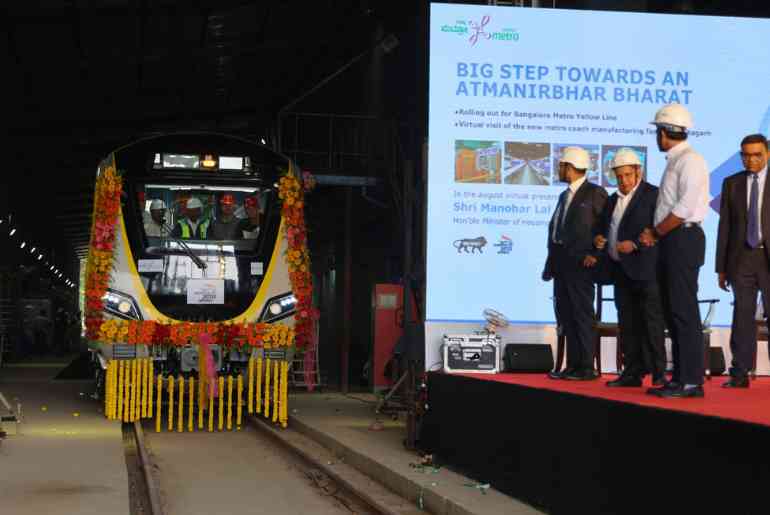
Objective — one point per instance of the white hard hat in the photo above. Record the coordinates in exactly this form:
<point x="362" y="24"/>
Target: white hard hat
<point x="674" y="117"/>
<point x="624" y="157"/>
<point x="577" y="157"/>
<point x="157" y="204"/>
<point x="194" y="203"/>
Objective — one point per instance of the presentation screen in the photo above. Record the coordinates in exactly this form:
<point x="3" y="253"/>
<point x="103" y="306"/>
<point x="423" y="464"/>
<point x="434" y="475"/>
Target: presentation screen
<point x="511" y="87"/>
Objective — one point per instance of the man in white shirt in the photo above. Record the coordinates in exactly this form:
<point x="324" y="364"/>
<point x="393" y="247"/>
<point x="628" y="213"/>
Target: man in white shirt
<point x="742" y="254"/>
<point x="681" y="208"/>
<point x="154" y="225"/>
<point x="634" y="271"/>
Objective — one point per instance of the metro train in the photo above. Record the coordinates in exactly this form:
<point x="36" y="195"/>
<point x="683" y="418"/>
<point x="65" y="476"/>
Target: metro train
<point x="198" y="239"/>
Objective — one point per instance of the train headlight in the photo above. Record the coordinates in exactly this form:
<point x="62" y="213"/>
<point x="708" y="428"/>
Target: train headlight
<point x="121" y="305"/>
<point x="279" y="307"/>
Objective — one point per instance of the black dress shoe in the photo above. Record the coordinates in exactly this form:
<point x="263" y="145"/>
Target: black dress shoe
<point x="659" y="380"/>
<point x="582" y="375"/>
<point x="625" y="380"/>
<point x="736" y="382"/>
<point x="667" y="385"/>
<point x="560" y="374"/>
<point x="681" y="392"/>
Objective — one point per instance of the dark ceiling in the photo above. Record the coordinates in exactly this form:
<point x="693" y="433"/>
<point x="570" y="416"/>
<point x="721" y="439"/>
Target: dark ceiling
<point x="82" y="77"/>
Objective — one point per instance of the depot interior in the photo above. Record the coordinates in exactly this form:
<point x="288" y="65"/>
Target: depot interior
<point x="351" y="103"/>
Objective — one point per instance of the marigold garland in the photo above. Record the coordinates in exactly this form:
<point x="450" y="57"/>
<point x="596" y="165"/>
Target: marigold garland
<point x="109" y="185"/>
<point x="178" y="334"/>
<point x="131" y="390"/>
<point x="291" y="191"/>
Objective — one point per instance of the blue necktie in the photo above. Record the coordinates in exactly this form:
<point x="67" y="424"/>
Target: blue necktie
<point x="752" y="231"/>
<point x="560" y="215"/>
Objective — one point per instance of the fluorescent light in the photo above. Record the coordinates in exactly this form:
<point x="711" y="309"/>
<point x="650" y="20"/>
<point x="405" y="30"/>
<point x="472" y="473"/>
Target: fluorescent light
<point x="33" y="249"/>
<point x="23" y="244"/>
<point x="13" y="231"/>
<point x="40" y="257"/>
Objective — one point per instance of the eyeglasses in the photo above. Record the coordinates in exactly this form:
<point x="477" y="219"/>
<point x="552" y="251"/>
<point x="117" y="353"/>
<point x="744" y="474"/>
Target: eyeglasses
<point x="756" y="157"/>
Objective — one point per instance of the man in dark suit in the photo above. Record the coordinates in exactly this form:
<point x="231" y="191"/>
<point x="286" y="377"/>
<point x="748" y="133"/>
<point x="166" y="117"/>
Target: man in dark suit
<point x="571" y="257"/>
<point x="742" y="254"/>
<point x="634" y="270"/>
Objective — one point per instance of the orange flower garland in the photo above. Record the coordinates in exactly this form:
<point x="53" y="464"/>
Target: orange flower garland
<point x="99" y="265"/>
<point x="241" y="336"/>
<point x="290" y="190"/>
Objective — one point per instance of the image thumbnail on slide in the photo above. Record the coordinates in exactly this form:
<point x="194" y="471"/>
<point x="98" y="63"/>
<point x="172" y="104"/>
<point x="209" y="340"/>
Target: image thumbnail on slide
<point x="608" y="153"/>
<point x="527" y="164"/>
<point x="592" y="175"/>
<point x="478" y="161"/>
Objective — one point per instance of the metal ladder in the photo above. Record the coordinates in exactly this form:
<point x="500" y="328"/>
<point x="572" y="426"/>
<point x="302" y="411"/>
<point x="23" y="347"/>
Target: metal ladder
<point x="297" y="377"/>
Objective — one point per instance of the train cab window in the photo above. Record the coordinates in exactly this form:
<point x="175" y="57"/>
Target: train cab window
<point x="221" y="216"/>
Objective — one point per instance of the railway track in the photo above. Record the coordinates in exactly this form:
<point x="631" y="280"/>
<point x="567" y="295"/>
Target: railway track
<point x="203" y="473"/>
<point x="143" y="488"/>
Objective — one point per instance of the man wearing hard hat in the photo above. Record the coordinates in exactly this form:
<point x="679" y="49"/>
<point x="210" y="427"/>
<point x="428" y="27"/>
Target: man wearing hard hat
<point x="154" y="225"/>
<point x="226" y="226"/>
<point x="681" y="208"/>
<point x="571" y="257"/>
<point x="634" y="270"/>
<point x="742" y="252"/>
<point x="191" y="227"/>
<point x="248" y="228"/>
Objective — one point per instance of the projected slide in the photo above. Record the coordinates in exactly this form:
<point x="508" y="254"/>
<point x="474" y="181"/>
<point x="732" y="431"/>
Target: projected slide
<point x="511" y="87"/>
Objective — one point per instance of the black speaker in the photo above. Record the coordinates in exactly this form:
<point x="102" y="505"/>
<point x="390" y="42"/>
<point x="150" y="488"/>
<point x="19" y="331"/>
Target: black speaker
<point x="528" y="357"/>
<point x="717" y="361"/>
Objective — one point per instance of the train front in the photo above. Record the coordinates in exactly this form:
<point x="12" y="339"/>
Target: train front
<point x="199" y="257"/>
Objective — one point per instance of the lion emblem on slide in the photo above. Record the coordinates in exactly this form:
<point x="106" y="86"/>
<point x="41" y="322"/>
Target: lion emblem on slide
<point x="473" y="244"/>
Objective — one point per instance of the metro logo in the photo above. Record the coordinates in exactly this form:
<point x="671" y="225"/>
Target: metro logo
<point x="478" y="31"/>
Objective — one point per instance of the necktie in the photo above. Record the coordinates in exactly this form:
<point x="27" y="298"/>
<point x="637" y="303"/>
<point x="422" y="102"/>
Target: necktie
<point x="752" y="231"/>
<point x="560" y="216"/>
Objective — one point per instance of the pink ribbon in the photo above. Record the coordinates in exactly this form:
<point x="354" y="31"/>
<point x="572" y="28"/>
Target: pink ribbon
<point x="205" y="340"/>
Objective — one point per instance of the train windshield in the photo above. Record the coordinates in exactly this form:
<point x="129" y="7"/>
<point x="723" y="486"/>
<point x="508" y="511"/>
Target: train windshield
<point x="202" y="215"/>
<point x="212" y="217"/>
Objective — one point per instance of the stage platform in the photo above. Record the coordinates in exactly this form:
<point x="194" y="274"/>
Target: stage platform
<point x="582" y="448"/>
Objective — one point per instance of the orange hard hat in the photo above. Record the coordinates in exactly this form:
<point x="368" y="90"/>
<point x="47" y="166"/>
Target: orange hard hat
<point x="227" y="198"/>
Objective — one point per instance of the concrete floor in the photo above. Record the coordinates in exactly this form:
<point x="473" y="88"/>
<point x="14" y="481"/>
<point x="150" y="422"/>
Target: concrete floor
<point x="68" y="458"/>
<point x="233" y="472"/>
<point x="342" y="423"/>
